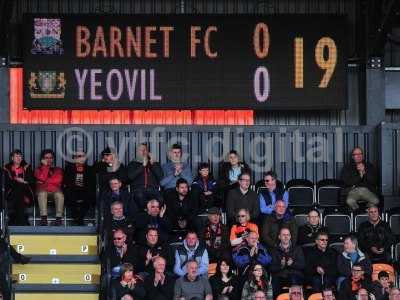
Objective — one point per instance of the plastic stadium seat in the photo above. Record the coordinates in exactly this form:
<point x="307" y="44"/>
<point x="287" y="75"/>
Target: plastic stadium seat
<point x="212" y="269"/>
<point x="301" y="219"/>
<point x="316" y="296"/>
<point x="301" y="193"/>
<point x="394" y="222"/>
<point x="396" y="252"/>
<point x="329" y="192"/>
<point x="359" y="219"/>
<point x="284" y="296"/>
<point x="338" y="224"/>
<point x="338" y="246"/>
<point x="376" y="268"/>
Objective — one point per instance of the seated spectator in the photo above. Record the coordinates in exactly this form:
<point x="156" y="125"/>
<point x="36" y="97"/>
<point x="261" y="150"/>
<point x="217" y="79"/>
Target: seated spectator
<point x="242" y="197"/>
<point x="18" y="182"/>
<point x="352" y="284"/>
<point x="394" y="294"/>
<point x="381" y="287"/>
<point x="327" y="294"/>
<point x="280" y="217"/>
<point x="154" y="217"/>
<point x="145" y="254"/>
<point x="309" y="231"/>
<point x="129" y="284"/>
<point x="215" y="235"/>
<point x="361" y="180"/>
<point x="118" y="252"/>
<point x="350" y="256"/>
<point x="229" y="171"/>
<point x="181" y="209"/>
<point x="251" y="252"/>
<point x="49" y="184"/>
<point x="257" y="281"/>
<point x="79" y="186"/>
<point x="288" y="263"/>
<point x="242" y="228"/>
<point x="320" y="268"/>
<point x="144" y="175"/>
<point x="109" y="167"/>
<point x="117" y="193"/>
<point x="192" y="249"/>
<point x="260" y="295"/>
<point x="118" y="220"/>
<point x="159" y="285"/>
<point x="273" y="190"/>
<point x="204" y="188"/>
<point x="175" y="169"/>
<point x="224" y="282"/>
<point x="192" y="285"/>
<point x="296" y="292"/>
<point x="375" y="237"/>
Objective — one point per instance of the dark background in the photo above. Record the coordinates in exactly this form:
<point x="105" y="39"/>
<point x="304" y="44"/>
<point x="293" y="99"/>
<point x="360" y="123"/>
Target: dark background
<point x="203" y="83"/>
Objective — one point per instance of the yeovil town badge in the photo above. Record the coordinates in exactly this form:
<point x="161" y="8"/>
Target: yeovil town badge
<point x="47" y="85"/>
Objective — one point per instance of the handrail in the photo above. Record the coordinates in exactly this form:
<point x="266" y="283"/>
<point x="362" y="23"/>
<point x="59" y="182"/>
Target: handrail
<point x="5" y="233"/>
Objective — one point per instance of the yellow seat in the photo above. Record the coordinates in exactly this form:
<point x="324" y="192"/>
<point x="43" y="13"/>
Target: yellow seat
<point x="316" y="296"/>
<point x="376" y="268"/>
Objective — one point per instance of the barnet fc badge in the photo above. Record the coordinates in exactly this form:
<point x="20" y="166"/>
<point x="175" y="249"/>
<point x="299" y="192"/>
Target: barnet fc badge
<point x="47" y="39"/>
<point x="47" y="85"/>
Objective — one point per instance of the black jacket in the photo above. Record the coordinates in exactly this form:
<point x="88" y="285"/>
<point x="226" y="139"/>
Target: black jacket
<point x="139" y="254"/>
<point x="138" y="293"/>
<point x="344" y="264"/>
<point x="307" y="233"/>
<point x="115" y="259"/>
<point x="324" y="259"/>
<point x="89" y="177"/>
<point x="223" y="174"/>
<point x="108" y="197"/>
<point x="379" y="292"/>
<point x="161" y="291"/>
<point x="144" y="221"/>
<point x="351" y="177"/>
<point x="346" y="293"/>
<point x="297" y="268"/>
<point x="104" y="175"/>
<point x="217" y="285"/>
<point x="236" y="200"/>
<point x="180" y="210"/>
<point x="10" y="184"/>
<point x="379" y="236"/>
<point x="136" y="172"/>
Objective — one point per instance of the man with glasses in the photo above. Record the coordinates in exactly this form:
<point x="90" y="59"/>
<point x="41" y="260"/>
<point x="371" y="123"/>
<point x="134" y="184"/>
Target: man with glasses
<point x="273" y="190"/>
<point x="354" y="283"/>
<point x="360" y="178"/>
<point x="308" y="232"/>
<point x="296" y="292"/>
<point x="320" y="268"/>
<point x="242" y="197"/>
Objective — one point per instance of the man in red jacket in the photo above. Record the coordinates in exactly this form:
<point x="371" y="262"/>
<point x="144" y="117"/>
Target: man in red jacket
<point x="48" y="183"/>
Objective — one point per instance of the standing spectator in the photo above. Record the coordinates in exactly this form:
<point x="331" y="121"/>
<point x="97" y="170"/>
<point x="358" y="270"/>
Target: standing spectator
<point x="154" y="217"/>
<point x="242" y="228"/>
<point x="79" y="186"/>
<point x="160" y="284"/>
<point x="145" y="175"/>
<point x="18" y="181"/>
<point x="191" y="249"/>
<point x="129" y="284"/>
<point x="49" y="184"/>
<point x="192" y="285"/>
<point x="181" y="209"/>
<point x="249" y="253"/>
<point x="288" y="263"/>
<point x="117" y="193"/>
<point x="381" y="287"/>
<point x="350" y="256"/>
<point x="175" y="169"/>
<point x="361" y="179"/>
<point x="257" y="282"/>
<point x="204" y="188"/>
<point x="215" y="235"/>
<point x="376" y="238"/>
<point x="274" y="190"/>
<point x="320" y="268"/>
<point x="109" y="167"/>
<point x="296" y="292"/>
<point x="230" y="170"/>
<point x="224" y="282"/>
<point x="280" y="217"/>
<point x="242" y="197"/>
<point x="352" y="284"/>
<point x="309" y="231"/>
<point x="145" y="254"/>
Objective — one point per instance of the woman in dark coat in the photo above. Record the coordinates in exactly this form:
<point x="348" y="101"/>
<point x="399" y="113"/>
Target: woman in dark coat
<point x="224" y="282"/>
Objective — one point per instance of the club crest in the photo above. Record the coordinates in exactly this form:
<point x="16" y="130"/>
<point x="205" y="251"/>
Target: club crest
<point x="47" y="85"/>
<point x="47" y="37"/>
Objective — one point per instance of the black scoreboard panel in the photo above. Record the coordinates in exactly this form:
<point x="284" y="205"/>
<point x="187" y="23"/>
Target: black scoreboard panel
<point x="185" y="62"/>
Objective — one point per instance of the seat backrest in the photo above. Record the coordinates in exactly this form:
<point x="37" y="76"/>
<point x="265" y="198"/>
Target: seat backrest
<point x="358" y="220"/>
<point x="284" y="296"/>
<point x="396" y="252"/>
<point x="301" y="219"/>
<point x="301" y="196"/>
<point x="338" y="246"/>
<point x="376" y="268"/>
<point x="339" y="224"/>
<point x="316" y="296"/>
<point x="328" y="196"/>
<point x="394" y="222"/>
<point x="212" y="269"/>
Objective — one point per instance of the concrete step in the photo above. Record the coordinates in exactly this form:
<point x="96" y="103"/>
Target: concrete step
<point x="55" y="292"/>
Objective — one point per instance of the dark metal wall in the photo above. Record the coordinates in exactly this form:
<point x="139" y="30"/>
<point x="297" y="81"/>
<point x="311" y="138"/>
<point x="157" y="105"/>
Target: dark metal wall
<point x="293" y="151"/>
